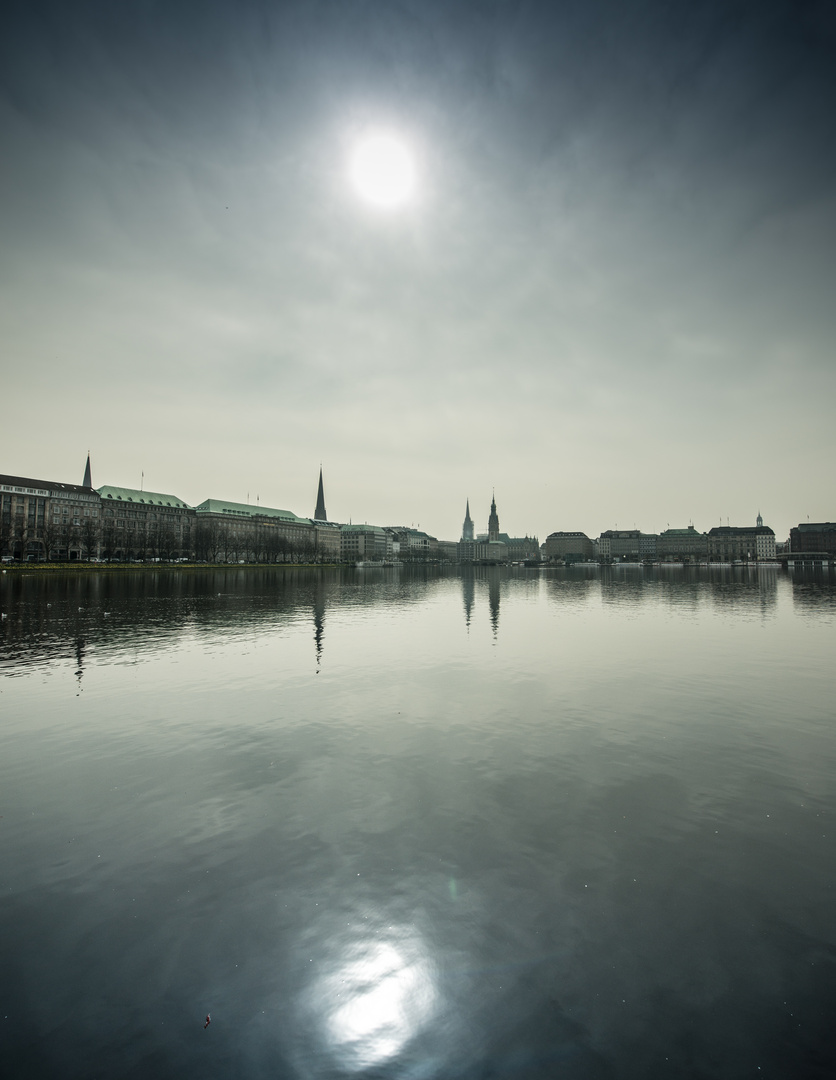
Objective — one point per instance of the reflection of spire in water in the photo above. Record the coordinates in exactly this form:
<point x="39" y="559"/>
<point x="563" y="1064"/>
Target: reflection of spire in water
<point x="319" y="623"/>
<point x="79" y="656"/>
<point x="468" y="591"/>
<point x="493" y="596"/>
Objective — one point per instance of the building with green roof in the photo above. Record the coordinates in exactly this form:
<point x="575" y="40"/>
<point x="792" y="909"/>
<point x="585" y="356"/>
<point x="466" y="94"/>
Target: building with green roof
<point x="231" y="532"/>
<point x="139" y="524"/>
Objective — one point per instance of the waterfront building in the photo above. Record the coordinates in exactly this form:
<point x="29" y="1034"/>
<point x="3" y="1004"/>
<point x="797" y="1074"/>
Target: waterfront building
<point x="231" y="532"/>
<point x="730" y="543"/>
<point x="814" y="538"/>
<point x="627" y="545"/>
<point x="495" y="546"/>
<point x="682" y="545"/>
<point x="568" y="546"/>
<point x="413" y="544"/>
<point x="365" y="543"/>
<point x="138" y="524"/>
<point x="43" y="519"/>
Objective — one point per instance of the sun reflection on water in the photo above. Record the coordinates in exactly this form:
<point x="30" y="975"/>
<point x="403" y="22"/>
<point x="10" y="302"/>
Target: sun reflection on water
<point x="378" y="997"/>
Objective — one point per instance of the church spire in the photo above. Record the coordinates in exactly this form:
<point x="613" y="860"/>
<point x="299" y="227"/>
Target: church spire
<point x="319" y="513"/>
<point x="493" y="521"/>
<point x="87" y="481"/>
<point x="467" y="527"/>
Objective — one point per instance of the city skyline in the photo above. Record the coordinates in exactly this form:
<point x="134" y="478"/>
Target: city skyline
<point x="602" y="289"/>
<point x="469" y="530"/>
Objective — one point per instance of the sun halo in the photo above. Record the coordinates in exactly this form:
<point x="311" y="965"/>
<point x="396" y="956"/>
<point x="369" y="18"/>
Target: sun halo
<point x="382" y="171"/>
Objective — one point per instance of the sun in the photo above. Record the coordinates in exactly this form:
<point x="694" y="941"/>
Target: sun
<point x="382" y="171"/>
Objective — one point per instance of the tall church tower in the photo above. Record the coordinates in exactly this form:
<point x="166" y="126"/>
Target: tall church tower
<point x="87" y="481"/>
<point x="493" y="521"/>
<point x="467" y="528"/>
<point x="319" y="513"/>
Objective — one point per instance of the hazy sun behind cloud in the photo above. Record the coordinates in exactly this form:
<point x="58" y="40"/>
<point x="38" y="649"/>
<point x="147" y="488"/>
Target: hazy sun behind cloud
<point x="382" y="170"/>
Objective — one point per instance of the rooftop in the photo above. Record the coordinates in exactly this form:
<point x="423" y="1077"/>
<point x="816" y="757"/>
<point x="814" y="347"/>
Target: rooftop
<point x="133" y="495"/>
<point x="28" y="485"/>
<point x="247" y="510"/>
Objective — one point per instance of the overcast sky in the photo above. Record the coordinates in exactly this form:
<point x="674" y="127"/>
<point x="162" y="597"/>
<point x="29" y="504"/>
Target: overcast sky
<point x="612" y="297"/>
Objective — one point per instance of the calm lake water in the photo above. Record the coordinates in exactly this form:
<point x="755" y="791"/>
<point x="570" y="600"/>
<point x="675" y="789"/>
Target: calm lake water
<point x="405" y="824"/>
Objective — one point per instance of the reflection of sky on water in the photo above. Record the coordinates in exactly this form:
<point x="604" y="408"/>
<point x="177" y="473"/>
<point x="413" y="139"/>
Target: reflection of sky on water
<point x="572" y="848"/>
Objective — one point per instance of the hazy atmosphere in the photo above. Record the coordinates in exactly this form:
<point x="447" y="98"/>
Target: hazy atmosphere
<point x="605" y="289"/>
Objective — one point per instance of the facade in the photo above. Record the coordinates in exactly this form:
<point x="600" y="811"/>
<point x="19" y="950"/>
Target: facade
<point x="682" y="545"/>
<point x="627" y="545"/>
<point x="413" y="545"/>
<point x="568" y="546"/>
<point x="730" y="543"/>
<point x="42" y="519"/>
<point x="137" y="524"/>
<point x="365" y="543"/>
<point x="448" y="550"/>
<point x="232" y="532"/>
<point x="814" y="537"/>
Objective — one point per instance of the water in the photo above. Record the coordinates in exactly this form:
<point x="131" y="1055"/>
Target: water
<point x="394" y="824"/>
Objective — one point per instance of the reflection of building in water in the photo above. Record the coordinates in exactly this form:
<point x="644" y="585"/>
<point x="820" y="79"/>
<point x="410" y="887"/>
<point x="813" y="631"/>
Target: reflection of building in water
<point x="79" y="658"/>
<point x="468" y="592"/>
<point x="494" y="576"/>
<point x="319" y="621"/>
<point x="493" y="597"/>
<point x="744" y="586"/>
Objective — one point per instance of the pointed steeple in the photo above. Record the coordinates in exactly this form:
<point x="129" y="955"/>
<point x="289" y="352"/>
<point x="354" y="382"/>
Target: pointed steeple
<point x="467" y="527"/>
<point x="87" y="481"/>
<point x="319" y="513"/>
<point x="493" y="521"/>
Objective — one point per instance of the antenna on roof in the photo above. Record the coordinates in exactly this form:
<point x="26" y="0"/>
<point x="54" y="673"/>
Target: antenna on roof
<point x="142" y="481"/>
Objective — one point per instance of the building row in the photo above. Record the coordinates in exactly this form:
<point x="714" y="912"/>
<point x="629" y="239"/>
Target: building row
<point x="42" y="519"/>
<point x="724" y="543"/>
<point x="45" y="519"/>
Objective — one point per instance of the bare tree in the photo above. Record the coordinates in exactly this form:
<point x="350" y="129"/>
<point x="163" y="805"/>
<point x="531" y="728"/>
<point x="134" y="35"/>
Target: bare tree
<point x="108" y="540"/>
<point x="166" y="541"/>
<point x="90" y="537"/>
<point x="49" y="536"/>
